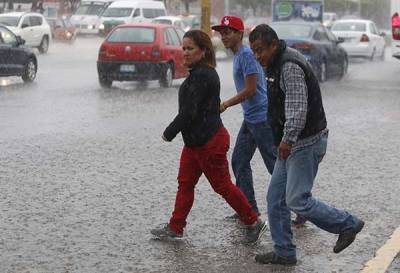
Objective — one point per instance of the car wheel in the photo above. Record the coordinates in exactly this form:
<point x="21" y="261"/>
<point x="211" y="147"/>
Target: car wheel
<point x="44" y="45"/>
<point x="344" y="69"/>
<point x="142" y="84"/>
<point x="30" y="70"/>
<point x="382" y="56"/>
<point x="167" y="77"/>
<point x="104" y="81"/>
<point x="371" y="58"/>
<point x="322" y="71"/>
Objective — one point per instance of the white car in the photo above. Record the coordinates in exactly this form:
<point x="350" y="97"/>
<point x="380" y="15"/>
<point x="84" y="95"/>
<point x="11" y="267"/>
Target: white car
<point x="171" y="20"/>
<point x="361" y="38"/>
<point x="30" y="26"/>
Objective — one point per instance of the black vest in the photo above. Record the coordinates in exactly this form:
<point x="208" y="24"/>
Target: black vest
<point x="316" y="120"/>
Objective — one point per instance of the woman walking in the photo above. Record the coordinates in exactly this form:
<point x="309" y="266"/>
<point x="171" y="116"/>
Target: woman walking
<point x="206" y="141"/>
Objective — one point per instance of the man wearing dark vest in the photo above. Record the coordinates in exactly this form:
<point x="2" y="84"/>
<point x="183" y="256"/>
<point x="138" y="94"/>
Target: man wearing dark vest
<point x="300" y="132"/>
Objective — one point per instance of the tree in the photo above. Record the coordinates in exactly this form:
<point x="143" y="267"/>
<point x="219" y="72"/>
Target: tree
<point x="264" y="5"/>
<point x="70" y="6"/>
<point x="186" y="3"/>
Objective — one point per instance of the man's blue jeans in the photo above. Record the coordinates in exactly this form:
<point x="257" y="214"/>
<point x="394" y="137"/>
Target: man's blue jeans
<point x="290" y="190"/>
<point x="250" y="137"/>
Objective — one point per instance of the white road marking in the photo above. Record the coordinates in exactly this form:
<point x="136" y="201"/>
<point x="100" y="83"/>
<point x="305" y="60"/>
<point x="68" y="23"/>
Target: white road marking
<point x="385" y="255"/>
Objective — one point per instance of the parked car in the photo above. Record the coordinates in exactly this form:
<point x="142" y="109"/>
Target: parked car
<point x="15" y="58"/>
<point x="62" y="29"/>
<point x="361" y="38"/>
<point x="329" y="18"/>
<point x="171" y="20"/>
<point x="396" y="34"/>
<point x="320" y="47"/>
<point x="141" y="52"/>
<point x="32" y="27"/>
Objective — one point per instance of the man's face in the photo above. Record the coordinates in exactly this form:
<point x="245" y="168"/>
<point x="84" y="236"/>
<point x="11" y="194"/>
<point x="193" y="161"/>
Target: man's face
<point x="263" y="53"/>
<point x="230" y="37"/>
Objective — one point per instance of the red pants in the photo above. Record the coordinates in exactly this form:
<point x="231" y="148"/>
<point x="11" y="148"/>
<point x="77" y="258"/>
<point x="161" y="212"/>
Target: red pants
<point x="211" y="160"/>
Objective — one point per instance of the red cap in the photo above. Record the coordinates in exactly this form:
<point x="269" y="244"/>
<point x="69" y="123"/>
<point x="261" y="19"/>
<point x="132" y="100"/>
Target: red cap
<point x="231" y="22"/>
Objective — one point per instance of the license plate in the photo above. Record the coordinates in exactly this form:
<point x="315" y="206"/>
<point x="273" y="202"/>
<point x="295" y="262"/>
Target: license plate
<point x="127" y="68"/>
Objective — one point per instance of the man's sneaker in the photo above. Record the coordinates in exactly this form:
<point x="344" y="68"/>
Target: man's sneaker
<point x="165" y="232"/>
<point x="346" y="238"/>
<point x="299" y="222"/>
<point x="254" y="232"/>
<point x="272" y="258"/>
<point x="233" y="218"/>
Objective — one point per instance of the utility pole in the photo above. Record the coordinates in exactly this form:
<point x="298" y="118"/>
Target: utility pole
<point x="205" y="16"/>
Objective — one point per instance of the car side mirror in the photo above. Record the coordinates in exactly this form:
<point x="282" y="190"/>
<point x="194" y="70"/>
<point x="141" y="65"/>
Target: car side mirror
<point x="20" y="41"/>
<point x="57" y="26"/>
<point x="340" y="40"/>
<point x="383" y="34"/>
<point x="24" y="26"/>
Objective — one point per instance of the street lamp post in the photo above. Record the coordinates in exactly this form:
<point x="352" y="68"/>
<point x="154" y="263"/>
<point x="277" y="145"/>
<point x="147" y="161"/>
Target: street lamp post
<point x="205" y="16"/>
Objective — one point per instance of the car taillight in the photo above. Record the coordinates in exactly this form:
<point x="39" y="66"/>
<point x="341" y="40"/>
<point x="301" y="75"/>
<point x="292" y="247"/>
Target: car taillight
<point x="106" y="52"/>
<point x="155" y="52"/>
<point x="303" y="46"/>
<point x="396" y="33"/>
<point x="102" y="52"/>
<point x="364" y="38"/>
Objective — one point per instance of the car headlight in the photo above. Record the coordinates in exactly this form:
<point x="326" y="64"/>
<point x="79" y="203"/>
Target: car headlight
<point x="101" y="26"/>
<point x="90" y="27"/>
<point x="68" y="34"/>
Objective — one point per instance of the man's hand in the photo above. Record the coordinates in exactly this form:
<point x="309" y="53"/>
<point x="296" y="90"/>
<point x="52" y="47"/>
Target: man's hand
<point x="284" y="150"/>
<point x="222" y="107"/>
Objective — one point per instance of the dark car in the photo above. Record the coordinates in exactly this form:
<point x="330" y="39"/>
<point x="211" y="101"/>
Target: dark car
<point x="15" y="58"/>
<point x="141" y="52"/>
<point x="317" y="43"/>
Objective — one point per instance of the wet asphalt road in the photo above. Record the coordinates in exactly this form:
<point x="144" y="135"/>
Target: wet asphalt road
<point x="84" y="174"/>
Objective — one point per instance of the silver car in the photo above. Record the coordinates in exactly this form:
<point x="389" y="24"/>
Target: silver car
<point x="361" y="38"/>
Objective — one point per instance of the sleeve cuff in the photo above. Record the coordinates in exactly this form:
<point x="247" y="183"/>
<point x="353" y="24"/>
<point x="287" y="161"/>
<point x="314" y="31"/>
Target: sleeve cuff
<point x="289" y="139"/>
<point x="168" y="135"/>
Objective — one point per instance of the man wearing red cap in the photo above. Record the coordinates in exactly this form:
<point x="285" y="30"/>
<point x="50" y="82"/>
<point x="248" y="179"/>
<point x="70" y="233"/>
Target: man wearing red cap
<point x="251" y="88"/>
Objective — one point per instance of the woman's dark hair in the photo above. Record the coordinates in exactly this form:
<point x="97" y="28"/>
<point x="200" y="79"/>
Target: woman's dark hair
<point x="203" y="41"/>
<point x="264" y="33"/>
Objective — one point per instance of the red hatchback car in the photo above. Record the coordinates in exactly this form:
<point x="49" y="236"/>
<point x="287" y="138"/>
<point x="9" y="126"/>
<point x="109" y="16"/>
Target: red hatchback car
<point x="141" y="52"/>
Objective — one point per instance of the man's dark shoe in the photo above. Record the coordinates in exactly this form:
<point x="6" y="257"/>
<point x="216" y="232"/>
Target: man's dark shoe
<point x="165" y="232"/>
<point x="346" y="238"/>
<point x="254" y="232"/>
<point x="299" y="222"/>
<point x="272" y="258"/>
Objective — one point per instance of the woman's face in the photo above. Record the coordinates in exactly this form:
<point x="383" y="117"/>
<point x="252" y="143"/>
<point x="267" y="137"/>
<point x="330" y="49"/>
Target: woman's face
<point x="192" y="54"/>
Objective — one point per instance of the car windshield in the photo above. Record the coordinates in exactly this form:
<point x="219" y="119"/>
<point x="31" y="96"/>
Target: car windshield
<point x="162" y="21"/>
<point x="292" y="31"/>
<point x="9" y="21"/>
<point x="139" y="35"/>
<point x="90" y="10"/>
<point x="118" y="12"/>
<point x="349" y="26"/>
